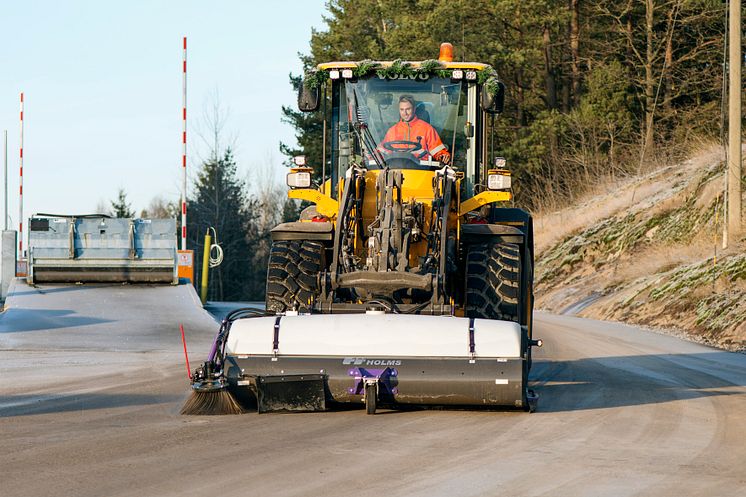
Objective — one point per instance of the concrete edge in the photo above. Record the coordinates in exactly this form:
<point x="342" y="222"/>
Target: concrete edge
<point x="197" y="301"/>
<point x="11" y="292"/>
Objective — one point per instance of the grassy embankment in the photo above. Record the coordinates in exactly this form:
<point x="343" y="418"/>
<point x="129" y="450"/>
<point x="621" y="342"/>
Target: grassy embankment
<point x="648" y="251"/>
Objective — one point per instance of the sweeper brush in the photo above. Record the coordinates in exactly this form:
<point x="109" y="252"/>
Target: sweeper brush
<point x="210" y="394"/>
<point x="410" y="278"/>
<point x="211" y="402"/>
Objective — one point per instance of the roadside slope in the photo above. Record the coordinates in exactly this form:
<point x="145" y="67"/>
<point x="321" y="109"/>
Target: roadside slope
<point x="647" y="251"/>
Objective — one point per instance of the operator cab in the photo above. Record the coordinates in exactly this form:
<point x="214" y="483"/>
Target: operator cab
<point x="409" y="120"/>
<point x="406" y="115"/>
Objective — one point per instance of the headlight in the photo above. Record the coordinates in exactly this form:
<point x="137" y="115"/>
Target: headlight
<point x="299" y="179"/>
<point x="347" y="73"/>
<point x="334" y="74"/>
<point x="457" y="74"/>
<point x="471" y="75"/>
<point x="498" y="179"/>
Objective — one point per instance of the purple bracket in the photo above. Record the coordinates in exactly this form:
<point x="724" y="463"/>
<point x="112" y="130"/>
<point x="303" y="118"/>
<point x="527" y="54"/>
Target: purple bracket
<point x="387" y="379"/>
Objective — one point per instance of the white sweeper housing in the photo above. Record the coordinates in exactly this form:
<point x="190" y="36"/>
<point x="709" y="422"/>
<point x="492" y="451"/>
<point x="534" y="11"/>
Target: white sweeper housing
<point x="375" y="335"/>
<point x="302" y="362"/>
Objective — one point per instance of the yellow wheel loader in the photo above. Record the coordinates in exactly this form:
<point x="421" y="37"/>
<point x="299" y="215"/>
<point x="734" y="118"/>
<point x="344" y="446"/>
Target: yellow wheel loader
<point x="409" y="279"/>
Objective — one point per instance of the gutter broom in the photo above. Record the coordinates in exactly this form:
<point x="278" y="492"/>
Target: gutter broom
<point x="210" y="394"/>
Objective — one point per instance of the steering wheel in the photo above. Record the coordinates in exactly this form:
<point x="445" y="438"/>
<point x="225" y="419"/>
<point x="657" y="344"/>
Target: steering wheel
<point x="402" y="146"/>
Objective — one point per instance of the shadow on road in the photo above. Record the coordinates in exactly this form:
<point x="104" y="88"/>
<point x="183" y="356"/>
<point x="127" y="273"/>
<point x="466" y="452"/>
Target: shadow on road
<point x="26" y="405"/>
<point x="24" y="290"/>
<point x="607" y="382"/>
<point x="40" y="289"/>
<point x="14" y="320"/>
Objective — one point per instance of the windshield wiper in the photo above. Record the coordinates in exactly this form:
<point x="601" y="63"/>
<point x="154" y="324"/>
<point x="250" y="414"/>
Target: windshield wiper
<point x="364" y="136"/>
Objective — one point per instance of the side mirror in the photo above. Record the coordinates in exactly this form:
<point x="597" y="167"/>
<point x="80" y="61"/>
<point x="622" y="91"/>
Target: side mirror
<point x="308" y="98"/>
<point x="493" y="102"/>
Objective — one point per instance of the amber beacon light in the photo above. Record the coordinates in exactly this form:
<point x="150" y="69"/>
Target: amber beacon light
<point x="446" y="52"/>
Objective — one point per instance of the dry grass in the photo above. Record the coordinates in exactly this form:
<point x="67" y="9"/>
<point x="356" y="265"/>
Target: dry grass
<point x="660" y="259"/>
<point x="613" y="254"/>
<point x="610" y="197"/>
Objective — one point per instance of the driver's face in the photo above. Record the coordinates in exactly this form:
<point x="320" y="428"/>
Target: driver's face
<point x="406" y="111"/>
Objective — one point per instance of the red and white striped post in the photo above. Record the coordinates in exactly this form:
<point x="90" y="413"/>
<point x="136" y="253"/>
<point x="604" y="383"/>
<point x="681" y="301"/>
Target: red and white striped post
<point x="20" y="190"/>
<point x="184" y="152"/>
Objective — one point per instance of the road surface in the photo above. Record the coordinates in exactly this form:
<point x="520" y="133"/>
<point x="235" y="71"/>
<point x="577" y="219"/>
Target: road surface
<point x="93" y="379"/>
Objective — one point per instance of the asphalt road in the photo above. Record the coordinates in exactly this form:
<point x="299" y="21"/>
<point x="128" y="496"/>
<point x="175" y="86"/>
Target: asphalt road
<point x="93" y="379"/>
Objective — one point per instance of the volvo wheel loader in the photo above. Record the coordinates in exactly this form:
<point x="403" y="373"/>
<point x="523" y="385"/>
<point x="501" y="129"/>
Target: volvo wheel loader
<point x="409" y="278"/>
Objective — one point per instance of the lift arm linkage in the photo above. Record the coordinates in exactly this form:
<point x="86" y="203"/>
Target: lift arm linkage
<point x="325" y="205"/>
<point x="481" y="199"/>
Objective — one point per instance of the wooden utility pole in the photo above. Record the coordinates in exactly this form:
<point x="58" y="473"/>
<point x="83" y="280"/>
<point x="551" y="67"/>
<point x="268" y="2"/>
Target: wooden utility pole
<point x="734" y="124"/>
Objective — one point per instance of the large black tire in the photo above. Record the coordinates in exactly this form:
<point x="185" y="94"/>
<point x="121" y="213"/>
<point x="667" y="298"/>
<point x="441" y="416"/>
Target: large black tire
<point x="493" y="281"/>
<point x="292" y="275"/>
<point x="493" y="290"/>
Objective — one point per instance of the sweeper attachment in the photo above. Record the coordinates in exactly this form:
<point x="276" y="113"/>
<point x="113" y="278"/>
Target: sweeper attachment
<point x="297" y="362"/>
<point x="410" y="278"/>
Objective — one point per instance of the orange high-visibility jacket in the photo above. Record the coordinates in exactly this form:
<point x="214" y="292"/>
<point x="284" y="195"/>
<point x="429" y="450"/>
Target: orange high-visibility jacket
<point x="417" y="131"/>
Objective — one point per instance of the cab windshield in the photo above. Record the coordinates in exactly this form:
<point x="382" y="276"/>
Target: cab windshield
<point x="411" y="123"/>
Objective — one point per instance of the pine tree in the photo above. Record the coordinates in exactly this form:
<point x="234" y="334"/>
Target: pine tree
<point x="290" y="211"/>
<point x="220" y="202"/>
<point x="120" y="208"/>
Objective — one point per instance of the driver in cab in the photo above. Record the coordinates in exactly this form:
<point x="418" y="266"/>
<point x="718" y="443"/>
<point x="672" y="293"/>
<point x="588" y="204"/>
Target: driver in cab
<point x="411" y="131"/>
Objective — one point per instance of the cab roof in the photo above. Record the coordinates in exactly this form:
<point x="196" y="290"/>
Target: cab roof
<point x="477" y="66"/>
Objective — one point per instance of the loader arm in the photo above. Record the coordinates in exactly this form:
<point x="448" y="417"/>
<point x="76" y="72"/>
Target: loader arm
<point x="484" y="198"/>
<point x="325" y="205"/>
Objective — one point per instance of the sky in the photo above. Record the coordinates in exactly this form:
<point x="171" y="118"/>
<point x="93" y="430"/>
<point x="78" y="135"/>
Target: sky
<point x="102" y="84"/>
